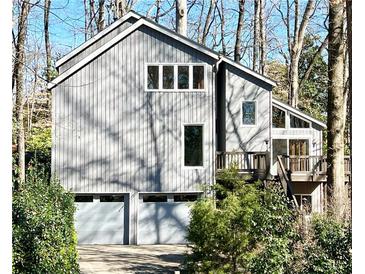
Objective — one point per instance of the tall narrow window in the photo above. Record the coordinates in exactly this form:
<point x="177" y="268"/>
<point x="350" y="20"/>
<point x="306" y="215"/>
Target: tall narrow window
<point x="193" y="145"/>
<point x="198" y="77"/>
<point x="249" y="113"/>
<point x="296" y="122"/>
<point x="183" y="77"/>
<point x="152" y="77"/>
<point x="278" y="118"/>
<point x="168" y="77"/>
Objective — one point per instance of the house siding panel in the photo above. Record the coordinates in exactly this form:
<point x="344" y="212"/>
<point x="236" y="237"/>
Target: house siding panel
<point x="240" y="87"/>
<point x="103" y="40"/>
<point x="112" y="136"/>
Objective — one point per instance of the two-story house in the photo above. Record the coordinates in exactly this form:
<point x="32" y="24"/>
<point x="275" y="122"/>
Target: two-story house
<point x="144" y="118"/>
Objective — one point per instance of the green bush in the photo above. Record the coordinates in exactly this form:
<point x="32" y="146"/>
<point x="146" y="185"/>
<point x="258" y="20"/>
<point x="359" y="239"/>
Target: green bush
<point x="249" y="230"/>
<point x="328" y="248"/>
<point x="44" y="238"/>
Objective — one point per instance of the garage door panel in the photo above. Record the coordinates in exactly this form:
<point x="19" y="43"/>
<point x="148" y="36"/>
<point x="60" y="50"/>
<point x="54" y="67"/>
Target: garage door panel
<point x="100" y="222"/>
<point x="163" y="223"/>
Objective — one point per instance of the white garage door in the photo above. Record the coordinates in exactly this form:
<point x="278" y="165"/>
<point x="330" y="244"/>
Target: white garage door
<point x="163" y="219"/>
<point x="99" y="219"/>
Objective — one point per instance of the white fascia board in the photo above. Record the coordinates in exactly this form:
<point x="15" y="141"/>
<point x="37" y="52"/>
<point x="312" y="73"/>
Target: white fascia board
<point x="298" y="112"/>
<point x="249" y="71"/>
<point x="96" y="37"/>
<point x="95" y="54"/>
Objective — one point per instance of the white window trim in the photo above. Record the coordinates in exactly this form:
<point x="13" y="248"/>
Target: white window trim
<point x="298" y="128"/>
<point x="241" y="113"/>
<point x="183" y="145"/>
<point x="175" y="65"/>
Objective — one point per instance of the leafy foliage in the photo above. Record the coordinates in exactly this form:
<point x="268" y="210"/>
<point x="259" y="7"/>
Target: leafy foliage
<point x="44" y="238"/>
<point x="248" y="230"/>
<point x="253" y="229"/>
<point x="40" y="140"/>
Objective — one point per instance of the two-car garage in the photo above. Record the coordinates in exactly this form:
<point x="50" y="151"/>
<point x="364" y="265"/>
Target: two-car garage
<point x="162" y="218"/>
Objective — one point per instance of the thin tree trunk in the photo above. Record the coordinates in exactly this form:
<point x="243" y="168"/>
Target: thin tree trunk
<point x="100" y="24"/>
<point x="256" y="35"/>
<point x="296" y="50"/>
<point x="336" y="108"/>
<point x="237" y="46"/>
<point x="208" y="20"/>
<point x="181" y="17"/>
<point x="19" y="67"/>
<point x="158" y="10"/>
<point x="349" y="48"/>
<point x="47" y="6"/>
<point x="262" y="38"/>
<point x="86" y="22"/>
<point x="223" y="23"/>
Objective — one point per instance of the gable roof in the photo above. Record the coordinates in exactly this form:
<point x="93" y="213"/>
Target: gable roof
<point x="298" y="112"/>
<point x="97" y="37"/>
<point x="153" y="25"/>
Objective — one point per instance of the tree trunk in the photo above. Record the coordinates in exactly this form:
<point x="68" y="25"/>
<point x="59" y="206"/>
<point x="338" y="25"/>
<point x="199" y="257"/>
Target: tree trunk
<point x="101" y="20"/>
<point x="207" y="21"/>
<point x="336" y="108"/>
<point x="223" y="22"/>
<point x="181" y="17"/>
<point x="237" y="46"/>
<point x="19" y="67"/>
<point x="262" y="64"/>
<point x="256" y="35"/>
<point x="86" y="14"/>
<point x="349" y="49"/>
<point x="47" y="6"/>
<point x="296" y="50"/>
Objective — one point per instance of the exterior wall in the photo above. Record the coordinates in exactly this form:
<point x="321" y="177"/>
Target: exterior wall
<point x="110" y="135"/>
<point x="315" y="189"/>
<point x="103" y="40"/>
<point x="239" y="87"/>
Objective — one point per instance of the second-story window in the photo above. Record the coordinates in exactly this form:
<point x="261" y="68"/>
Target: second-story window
<point x="153" y="77"/>
<point x="168" y="77"/>
<point x="278" y="118"/>
<point x="193" y="145"/>
<point x="296" y="122"/>
<point x="198" y="77"/>
<point x="249" y="113"/>
<point x="183" y="77"/>
<point x="176" y="77"/>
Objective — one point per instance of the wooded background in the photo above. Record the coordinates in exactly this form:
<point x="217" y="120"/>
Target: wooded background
<point x="303" y="45"/>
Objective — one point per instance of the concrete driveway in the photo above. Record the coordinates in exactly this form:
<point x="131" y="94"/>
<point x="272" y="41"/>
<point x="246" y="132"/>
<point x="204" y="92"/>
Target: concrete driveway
<point x="131" y="259"/>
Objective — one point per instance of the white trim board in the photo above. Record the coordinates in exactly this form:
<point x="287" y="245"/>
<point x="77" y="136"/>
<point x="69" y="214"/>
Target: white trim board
<point x="297" y="112"/>
<point x="97" y="37"/>
<point x="149" y="23"/>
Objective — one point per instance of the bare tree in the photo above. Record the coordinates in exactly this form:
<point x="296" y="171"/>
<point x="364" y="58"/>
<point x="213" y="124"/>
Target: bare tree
<point x="47" y="6"/>
<point x="208" y="21"/>
<point x="263" y="42"/>
<point x="101" y="20"/>
<point x="19" y="67"/>
<point x="256" y="35"/>
<point x="181" y="17"/>
<point x="237" y="47"/>
<point x="221" y="12"/>
<point x="336" y="106"/>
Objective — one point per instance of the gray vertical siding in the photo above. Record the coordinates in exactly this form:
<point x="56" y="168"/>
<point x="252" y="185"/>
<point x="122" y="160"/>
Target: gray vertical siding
<point x="240" y="87"/>
<point x="110" y="135"/>
<point x="74" y="60"/>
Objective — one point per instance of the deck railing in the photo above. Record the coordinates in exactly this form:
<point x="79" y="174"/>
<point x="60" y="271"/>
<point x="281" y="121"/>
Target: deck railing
<point x="312" y="164"/>
<point x="244" y="161"/>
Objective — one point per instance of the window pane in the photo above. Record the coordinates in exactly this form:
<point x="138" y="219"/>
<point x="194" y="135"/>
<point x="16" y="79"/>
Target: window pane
<point x="83" y="199"/>
<point x="185" y="197"/>
<point x="298" y="147"/>
<point x="193" y="145"/>
<point x="183" y="77"/>
<point x="168" y="77"/>
<point x="152" y="77"/>
<point x="154" y="198"/>
<point x="278" y="118"/>
<point x="296" y="122"/>
<point x="198" y="77"/>
<point x="111" y="198"/>
<point x="248" y="113"/>
<point x="307" y="203"/>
